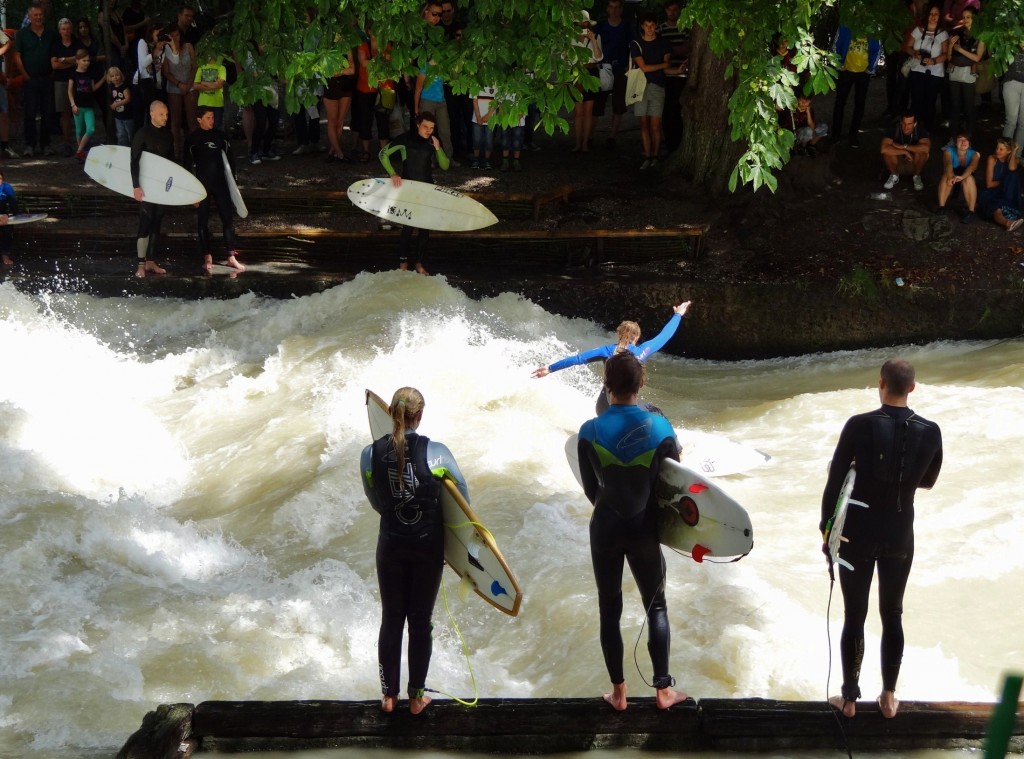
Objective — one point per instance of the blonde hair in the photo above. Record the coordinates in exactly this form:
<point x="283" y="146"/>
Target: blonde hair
<point x="406" y="404"/>
<point x="114" y="70"/>
<point x="628" y="332"/>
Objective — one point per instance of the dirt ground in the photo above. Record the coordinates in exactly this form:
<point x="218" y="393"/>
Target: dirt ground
<point x="828" y="221"/>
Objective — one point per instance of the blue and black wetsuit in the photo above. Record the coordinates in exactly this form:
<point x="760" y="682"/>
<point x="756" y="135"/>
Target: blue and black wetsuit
<point x="896" y="452"/>
<point x="410" y="549"/>
<point x="620" y="454"/>
<point x="9" y="206"/>
<point x="643" y="352"/>
<point x="204" y="151"/>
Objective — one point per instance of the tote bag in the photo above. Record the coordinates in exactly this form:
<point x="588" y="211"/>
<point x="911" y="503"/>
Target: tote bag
<point x="636" y="82"/>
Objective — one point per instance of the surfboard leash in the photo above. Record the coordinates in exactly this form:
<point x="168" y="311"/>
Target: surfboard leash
<point x="828" y="675"/>
<point x="636" y="644"/>
<point x="465" y="653"/>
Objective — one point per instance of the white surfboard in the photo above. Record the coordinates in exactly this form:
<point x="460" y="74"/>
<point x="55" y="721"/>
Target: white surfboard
<point x="696" y="515"/>
<point x="26" y="218"/>
<point x="233" y="191"/>
<point x="421" y="205"/>
<point x="469" y="548"/>
<point x="834" y="529"/>
<point x="163" y="182"/>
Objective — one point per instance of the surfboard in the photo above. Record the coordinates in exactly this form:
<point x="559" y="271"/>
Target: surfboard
<point x="233" y="191"/>
<point x="696" y="516"/>
<point x="163" y="182"/>
<point x="419" y="204"/>
<point x="25" y="218"/>
<point x="834" y="528"/>
<point x="469" y="548"/>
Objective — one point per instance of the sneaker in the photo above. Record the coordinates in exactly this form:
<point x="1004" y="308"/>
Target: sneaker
<point x="487" y="166"/>
<point x="270" y="155"/>
<point x="1014" y="224"/>
<point x="892" y="181"/>
<point x="918" y="182"/>
<point x="474" y="164"/>
<point x="47" y="151"/>
<point x="29" y="152"/>
<point x="855" y="142"/>
<point x="532" y="146"/>
<point x="646" y="164"/>
<point x="654" y="163"/>
<point x="8" y="153"/>
<point x="301" y="150"/>
<point x="254" y="159"/>
<point x="968" y="218"/>
<point x="516" y="166"/>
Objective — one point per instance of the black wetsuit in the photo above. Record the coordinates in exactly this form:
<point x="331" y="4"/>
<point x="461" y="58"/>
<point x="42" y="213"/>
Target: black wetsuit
<point x="159" y="142"/>
<point x="620" y="453"/>
<point x="204" y="149"/>
<point x="896" y="452"/>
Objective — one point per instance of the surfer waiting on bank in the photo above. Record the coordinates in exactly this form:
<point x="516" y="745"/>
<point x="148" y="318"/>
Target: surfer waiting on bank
<point x="416" y="150"/>
<point x="895" y="452"/>
<point x="154" y="138"/>
<point x="628" y="334"/>
<point x="401" y="475"/>
<point x="620" y="453"/>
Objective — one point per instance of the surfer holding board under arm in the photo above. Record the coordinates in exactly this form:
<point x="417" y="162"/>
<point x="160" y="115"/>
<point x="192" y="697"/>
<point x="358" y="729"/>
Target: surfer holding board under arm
<point x="153" y="138"/>
<point x="620" y="454"/>
<point x="628" y="334"/>
<point x="895" y="452"/>
<point x="416" y="149"/>
<point x="402" y="475"/>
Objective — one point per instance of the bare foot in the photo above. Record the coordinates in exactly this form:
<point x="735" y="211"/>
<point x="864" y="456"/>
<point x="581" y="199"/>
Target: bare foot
<point x="8" y="261"/>
<point x="233" y="262"/>
<point x="840" y="704"/>
<point x="421" y="270"/>
<point x="888" y="704"/>
<point x="403" y="266"/>
<point x="666" y="697"/>
<point x="208" y="263"/>
<point x="617" y="698"/>
<point x="387" y="704"/>
<point x="417" y="705"/>
<point x="152" y="268"/>
<point x="140" y="272"/>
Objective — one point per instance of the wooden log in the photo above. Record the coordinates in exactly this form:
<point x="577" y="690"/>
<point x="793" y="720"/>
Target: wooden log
<point x="558" y="725"/>
<point x="165" y="734"/>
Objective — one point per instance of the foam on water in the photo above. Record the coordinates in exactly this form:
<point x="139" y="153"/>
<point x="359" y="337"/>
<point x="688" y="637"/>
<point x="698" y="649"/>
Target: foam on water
<point x="183" y="519"/>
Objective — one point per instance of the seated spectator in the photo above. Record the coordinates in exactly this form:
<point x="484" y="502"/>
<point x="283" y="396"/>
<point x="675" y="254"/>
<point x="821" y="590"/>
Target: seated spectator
<point x="959" y="162"/>
<point x="905" y="151"/>
<point x="999" y="198"/>
<point x="802" y="123"/>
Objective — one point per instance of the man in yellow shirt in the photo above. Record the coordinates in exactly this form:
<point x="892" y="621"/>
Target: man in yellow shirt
<point x="858" y="56"/>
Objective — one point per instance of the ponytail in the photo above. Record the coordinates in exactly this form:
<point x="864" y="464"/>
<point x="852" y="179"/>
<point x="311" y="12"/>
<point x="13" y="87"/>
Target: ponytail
<point x="628" y="334"/>
<point x="406" y="405"/>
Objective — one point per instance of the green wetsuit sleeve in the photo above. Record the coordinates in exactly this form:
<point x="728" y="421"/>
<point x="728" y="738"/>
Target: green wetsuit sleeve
<point x="385" y="157"/>
<point x="442" y="160"/>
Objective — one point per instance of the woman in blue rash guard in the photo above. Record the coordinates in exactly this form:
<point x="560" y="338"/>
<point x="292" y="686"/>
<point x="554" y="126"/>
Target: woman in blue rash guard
<point x="401" y="475"/>
<point x="628" y="334"/>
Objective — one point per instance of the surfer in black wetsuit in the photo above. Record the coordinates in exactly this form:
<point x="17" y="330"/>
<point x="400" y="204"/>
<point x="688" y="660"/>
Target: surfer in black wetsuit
<point x="896" y="452"/>
<point x="416" y="150"/>
<point x="204" y="151"/>
<point x="620" y="453"/>
<point x="154" y="138"/>
<point x="8" y="207"/>
<point x="401" y="475"/>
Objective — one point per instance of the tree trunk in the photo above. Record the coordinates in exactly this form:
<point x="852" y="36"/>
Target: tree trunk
<point x="707" y="153"/>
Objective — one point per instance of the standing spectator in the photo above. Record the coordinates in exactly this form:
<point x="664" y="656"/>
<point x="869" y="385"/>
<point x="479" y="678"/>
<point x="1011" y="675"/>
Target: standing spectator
<point x="186" y="23"/>
<point x="117" y="43"/>
<point x="966" y="52"/>
<point x="999" y="199"/>
<point x="149" y="76"/>
<point x="428" y="94"/>
<point x="651" y="54"/>
<point x="210" y="80"/>
<point x="260" y="117"/>
<point x="337" y="101"/>
<point x="6" y="44"/>
<point x="120" y="98"/>
<point x="483" y="135"/>
<point x="179" y="69"/>
<point x="62" y="61"/>
<point x="1013" y="100"/>
<point x="960" y="163"/>
<point x="306" y="121"/>
<point x="82" y="96"/>
<point x="905" y="151"/>
<point x="512" y="136"/>
<point x="8" y="207"/>
<point x="368" y="109"/>
<point x="896" y="452"/>
<point x="858" y="56"/>
<point x="32" y="60"/>
<point x="583" y="113"/>
<point x="678" y="40"/>
<point x="928" y="49"/>
<point x="460" y="106"/>
<point x="615" y="35"/>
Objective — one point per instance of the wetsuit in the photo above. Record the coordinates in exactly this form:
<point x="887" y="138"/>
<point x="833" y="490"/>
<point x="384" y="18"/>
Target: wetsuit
<point x="204" y="151"/>
<point x="643" y="352"/>
<point x="895" y="452"/>
<point x="9" y="206"/>
<point x="410" y="549"/>
<point x="620" y="454"/>
<point x="416" y="155"/>
<point x="159" y="142"/>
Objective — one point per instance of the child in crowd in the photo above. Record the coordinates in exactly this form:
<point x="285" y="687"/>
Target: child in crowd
<point x="483" y="135"/>
<point x="8" y="207"/>
<point x="121" y="104"/>
<point x="81" y="89"/>
<point x="512" y="139"/>
<point x="801" y="122"/>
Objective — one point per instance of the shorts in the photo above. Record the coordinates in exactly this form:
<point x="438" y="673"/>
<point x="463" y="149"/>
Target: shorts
<point x="618" y="96"/>
<point x="652" y="104"/>
<point x="61" y="101"/>
<point x="339" y="87"/>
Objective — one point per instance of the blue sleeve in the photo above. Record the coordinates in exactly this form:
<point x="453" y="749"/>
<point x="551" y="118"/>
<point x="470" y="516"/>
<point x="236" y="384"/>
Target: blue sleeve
<point x="662" y="430"/>
<point x="590" y="474"/>
<point x="597" y="354"/>
<point x="442" y="462"/>
<point x="648" y="349"/>
<point x="366" y="476"/>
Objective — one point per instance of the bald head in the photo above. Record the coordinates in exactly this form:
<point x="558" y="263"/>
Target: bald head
<point x="158" y="113"/>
